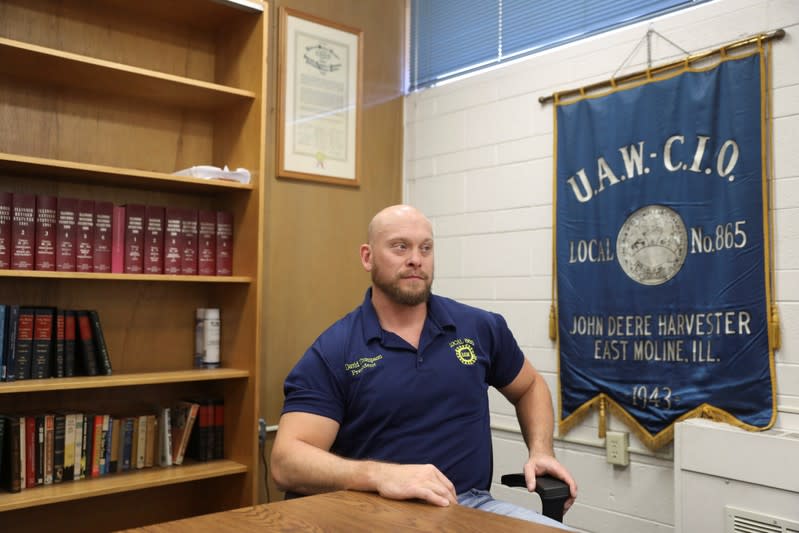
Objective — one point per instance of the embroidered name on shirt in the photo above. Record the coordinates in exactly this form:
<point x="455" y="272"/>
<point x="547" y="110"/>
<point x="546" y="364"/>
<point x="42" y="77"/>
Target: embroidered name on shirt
<point x="356" y="367"/>
<point x="464" y="351"/>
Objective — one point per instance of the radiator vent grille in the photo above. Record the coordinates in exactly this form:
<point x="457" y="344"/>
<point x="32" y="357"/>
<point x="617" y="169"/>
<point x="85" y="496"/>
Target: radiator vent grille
<point x="741" y="521"/>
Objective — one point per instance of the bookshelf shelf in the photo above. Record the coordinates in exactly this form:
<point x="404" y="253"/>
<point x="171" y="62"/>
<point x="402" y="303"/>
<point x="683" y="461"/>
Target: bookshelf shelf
<point x="87" y="73"/>
<point x="118" y="483"/>
<point x="46" y="168"/>
<point x="121" y="380"/>
<point x="167" y="278"/>
<point x="103" y="101"/>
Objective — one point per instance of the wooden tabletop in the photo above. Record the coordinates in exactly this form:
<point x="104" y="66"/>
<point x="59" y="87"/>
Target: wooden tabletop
<point x="348" y="511"/>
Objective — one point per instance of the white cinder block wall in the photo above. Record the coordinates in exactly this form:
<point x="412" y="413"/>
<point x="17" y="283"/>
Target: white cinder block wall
<point x="478" y="162"/>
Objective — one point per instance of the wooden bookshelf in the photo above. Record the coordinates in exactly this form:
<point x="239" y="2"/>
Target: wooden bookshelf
<point x="105" y="101"/>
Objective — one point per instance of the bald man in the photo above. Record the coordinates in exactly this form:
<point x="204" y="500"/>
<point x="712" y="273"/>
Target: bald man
<point x="393" y="397"/>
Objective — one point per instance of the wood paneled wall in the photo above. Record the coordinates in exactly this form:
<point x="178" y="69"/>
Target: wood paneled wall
<point x="312" y="268"/>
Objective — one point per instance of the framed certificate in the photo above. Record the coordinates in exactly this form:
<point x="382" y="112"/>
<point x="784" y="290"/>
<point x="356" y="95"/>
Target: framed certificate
<point x="319" y="111"/>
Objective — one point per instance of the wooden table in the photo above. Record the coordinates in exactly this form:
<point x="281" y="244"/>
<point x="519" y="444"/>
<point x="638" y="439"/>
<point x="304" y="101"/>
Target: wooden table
<point x="351" y="512"/>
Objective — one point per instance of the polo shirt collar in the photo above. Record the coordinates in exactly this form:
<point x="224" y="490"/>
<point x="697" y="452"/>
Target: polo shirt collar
<point x="437" y="316"/>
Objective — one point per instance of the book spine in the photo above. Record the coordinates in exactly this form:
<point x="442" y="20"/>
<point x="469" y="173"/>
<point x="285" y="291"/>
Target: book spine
<point x="152" y="437"/>
<point x="23" y="231"/>
<point x="66" y="234"/>
<point x="23" y="451"/>
<point x="49" y="448"/>
<point x="154" y="240"/>
<point x="84" y="251"/>
<point x="87" y="452"/>
<point x="11" y="471"/>
<point x="127" y="443"/>
<point x="3" y="328"/>
<point x="6" y="200"/>
<point x="46" y="209"/>
<point x="39" y="461"/>
<point x="134" y="238"/>
<point x="89" y="355"/>
<point x="118" y="239"/>
<point x="224" y="243"/>
<point x="42" y="342"/>
<point x="165" y="437"/>
<point x="23" y="350"/>
<point x="114" y="464"/>
<point x="206" y="239"/>
<point x="57" y="363"/>
<point x="70" y="341"/>
<point x="10" y="358"/>
<point x="188" y="256"/>
<point x="80" y="436"/>
<point x="173" y="240"/>
<point x="103" y="236"/>
<point x="59" y="447"/>
<point x="69" y="447"/>
<point x="103" y="359"/>
<point x="141" y="445"/>
<point x="219" y="429"/>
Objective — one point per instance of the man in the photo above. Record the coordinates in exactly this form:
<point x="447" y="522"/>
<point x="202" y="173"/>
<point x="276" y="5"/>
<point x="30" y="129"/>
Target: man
<point x="393" y="397"/>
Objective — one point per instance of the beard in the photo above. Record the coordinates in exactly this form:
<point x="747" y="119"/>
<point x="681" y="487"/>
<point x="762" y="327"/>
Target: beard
<point x="391" y="287"/>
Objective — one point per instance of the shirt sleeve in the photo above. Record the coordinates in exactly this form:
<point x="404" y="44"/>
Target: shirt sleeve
<point x="312" y="387"/>
<point x="507" y="358"/>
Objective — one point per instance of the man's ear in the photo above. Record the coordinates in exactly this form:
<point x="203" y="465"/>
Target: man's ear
<point x="366" y="257"/>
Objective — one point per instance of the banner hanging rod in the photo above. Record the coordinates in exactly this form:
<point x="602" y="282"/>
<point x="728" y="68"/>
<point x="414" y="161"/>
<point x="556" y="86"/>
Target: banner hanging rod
<point x="649" y="72"/>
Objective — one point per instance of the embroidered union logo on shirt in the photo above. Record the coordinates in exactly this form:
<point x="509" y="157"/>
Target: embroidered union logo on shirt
<point x="364" y="363"/>
<point x="464" y="351"/>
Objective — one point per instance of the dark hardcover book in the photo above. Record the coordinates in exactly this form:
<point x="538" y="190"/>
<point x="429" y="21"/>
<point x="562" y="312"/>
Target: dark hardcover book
<point x="118" y="239"/>
<point x="39" y="450"/>
<point x="10" y="356"/>
<point x="188" y="254"/>
<point x="103" y="359"/>
<point x="224" y="243"/>
<point x="3" y="333"/>
<point x="66" y="234"/>
<point x="42" y="342"/>
<point x="201" y="444"/>
<point x="23" y="231"/>
<point x="11" y="474"/>
<point x="134" y="238"/>
<point x="49" y="448"/>
<point x="6" y="199"/>
<point x="23" y="349"/>
<point x="103" y="236"/>
<point x="87" y="449"/>
<point x="206" y="242"/>
<point x="70" y="341"/>
<point x="57" y="361"/>
<point x="153" y="239"/>
<point x="3" y="459"/>
<point x="173" y="240"/>
<point x="116" y="434"/>
<point x="44" y="255"/>
<point x="85" y="343"/>
<point x="59" y="445"/>
<point x="219" y="428"/>
<point x="84" y="246"/>
<point x="126" y="446"/>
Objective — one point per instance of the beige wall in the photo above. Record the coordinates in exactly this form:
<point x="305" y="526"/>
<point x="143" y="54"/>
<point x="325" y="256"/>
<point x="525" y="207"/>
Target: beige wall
<point x="313" y="274"/>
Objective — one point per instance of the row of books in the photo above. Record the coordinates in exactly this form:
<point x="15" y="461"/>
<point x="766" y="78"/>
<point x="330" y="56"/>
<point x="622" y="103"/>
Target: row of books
<point x="45" y="342"/>
<point x="49" y="448"/>
<point x="42" y="232"/>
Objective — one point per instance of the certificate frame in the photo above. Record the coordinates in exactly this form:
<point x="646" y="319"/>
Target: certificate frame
<point x="319" y="93"/>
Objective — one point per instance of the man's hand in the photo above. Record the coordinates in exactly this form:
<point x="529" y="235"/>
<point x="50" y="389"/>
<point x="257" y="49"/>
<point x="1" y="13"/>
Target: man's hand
<point x="405" y="482"/>
<point x="539" y="465"/>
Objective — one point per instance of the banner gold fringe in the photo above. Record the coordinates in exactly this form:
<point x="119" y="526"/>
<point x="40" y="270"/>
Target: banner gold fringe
<point x="553" y="322"/>
<point x="774" y="328"/>
<point x="603" y="421"/>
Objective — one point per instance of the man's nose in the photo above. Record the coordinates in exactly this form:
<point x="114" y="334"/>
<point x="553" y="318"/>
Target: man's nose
<point x="415" y="257"/>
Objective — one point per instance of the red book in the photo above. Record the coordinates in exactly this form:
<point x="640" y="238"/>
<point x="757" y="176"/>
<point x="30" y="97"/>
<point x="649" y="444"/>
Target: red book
<point x="23" y="231"/>
<point x="173" y="239"/>
<point x="57" y="362"/>
<point x="134" y="238"/>
<point x="188" y="255"/>
<point x="219" y="429"/>
<point x="6" y="199"/>
<point x="84" y="258"/>
<point x="118" y="239"/>
<point x="224" y="243"/>
<point x="153" y="240"/>
<point x="66" y="234"/>
<point x="103" y="236"/>
<point x="44" y="256"/>
<point x="70" y="342"/>
<point x="30" y="450"/>
<point x="206" y="243"/>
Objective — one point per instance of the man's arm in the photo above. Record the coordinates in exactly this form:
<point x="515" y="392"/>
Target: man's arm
<point x="301" y="462"/>
<point x="529" y="393"/>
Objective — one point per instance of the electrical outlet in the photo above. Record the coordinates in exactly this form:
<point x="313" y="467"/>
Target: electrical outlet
<point x="617" y="445"/>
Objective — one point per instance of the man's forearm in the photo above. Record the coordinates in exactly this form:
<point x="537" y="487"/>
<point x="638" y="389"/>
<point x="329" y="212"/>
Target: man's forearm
<point x="534" y="412"/>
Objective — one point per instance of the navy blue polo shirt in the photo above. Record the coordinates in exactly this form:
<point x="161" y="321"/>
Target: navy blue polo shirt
<point x="398" y="404"/>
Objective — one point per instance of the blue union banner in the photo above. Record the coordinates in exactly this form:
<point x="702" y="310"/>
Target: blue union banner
<point x="662" y="252"/>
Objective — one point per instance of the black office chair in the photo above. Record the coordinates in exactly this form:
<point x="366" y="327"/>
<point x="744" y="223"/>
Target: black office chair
<point x="552" y="491"/>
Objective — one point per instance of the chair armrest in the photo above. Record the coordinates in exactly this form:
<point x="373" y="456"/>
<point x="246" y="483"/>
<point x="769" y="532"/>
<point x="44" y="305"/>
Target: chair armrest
<point x="552" y="491"/>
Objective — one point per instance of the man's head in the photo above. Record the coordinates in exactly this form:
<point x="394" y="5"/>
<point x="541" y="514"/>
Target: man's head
<point x="399" y="254"/>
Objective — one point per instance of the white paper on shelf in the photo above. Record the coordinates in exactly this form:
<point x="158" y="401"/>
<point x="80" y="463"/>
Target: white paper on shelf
<point x="241" y="175"/>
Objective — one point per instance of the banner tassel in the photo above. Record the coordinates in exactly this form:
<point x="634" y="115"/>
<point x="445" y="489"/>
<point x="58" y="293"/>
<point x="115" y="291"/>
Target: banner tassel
<point x="776" y="333"/>
<point x="603" y="421"/>
<point x="553" y="323"/>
